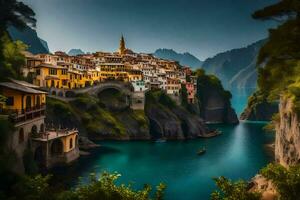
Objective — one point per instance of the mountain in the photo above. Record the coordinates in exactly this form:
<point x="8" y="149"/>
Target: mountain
<point x="183" y="58"/>
<point x="29" y="36"/>
<point x="236" y="68"/>
<point x="75" y="52"/>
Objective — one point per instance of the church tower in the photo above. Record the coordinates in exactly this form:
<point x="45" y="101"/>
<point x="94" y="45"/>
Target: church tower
<point x="122" y="46"/>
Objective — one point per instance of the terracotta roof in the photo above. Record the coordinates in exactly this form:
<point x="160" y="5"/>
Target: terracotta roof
<point x="21" y="88"/>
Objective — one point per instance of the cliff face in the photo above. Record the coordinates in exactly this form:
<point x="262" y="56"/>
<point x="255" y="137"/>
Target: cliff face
<point x="260" y="112"/>
<point x="93" y="119"/>
<point x="214" y="101"/>
<point x="167" y="120"/>
<point x="287" y="142"/>
<point x="258" y="108"/>
<point x="217" y="109"/>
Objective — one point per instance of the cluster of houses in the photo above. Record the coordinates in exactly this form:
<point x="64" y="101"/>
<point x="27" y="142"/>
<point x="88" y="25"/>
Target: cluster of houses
<point x="25" y="103"/>
<point x="143" y="71"/>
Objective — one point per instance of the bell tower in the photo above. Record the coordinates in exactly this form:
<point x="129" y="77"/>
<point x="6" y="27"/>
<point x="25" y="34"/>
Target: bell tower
<point x="122" y="46"/>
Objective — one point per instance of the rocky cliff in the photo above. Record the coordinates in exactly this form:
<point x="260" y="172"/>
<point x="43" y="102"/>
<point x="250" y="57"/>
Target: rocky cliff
<point x="287" y="142"/>
<point x="214" y="101"/>
<point x="259" y="109"/>
<point x="162" y="118"/>
<point x="168" y="120"/>
<point x="93" y="119"/>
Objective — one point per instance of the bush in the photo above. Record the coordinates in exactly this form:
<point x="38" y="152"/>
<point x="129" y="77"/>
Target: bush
<point x="229" y="190"/>
<point x="38" y="188"/>
<point x="286" y="181"/>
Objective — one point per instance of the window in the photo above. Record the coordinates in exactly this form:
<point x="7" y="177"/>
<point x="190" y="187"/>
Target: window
<point x="10" y="101"/>
<point x="71" y="143"/>
<point x="64" y="82"/>
<point x="38" y="72"/>
<point x="64" y="72"/>
<point x="52" y="71"/>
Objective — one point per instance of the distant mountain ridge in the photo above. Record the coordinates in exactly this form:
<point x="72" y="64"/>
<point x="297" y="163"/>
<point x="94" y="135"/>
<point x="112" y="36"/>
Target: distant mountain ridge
<point x="236" y="68"/>
<point x="75" y="52"/>
<point x="183" y="58"/>
<point x="29" y="36"/>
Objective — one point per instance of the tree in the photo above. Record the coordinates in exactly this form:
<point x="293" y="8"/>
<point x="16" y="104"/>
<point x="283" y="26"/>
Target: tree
<point x="281" y="53"/>
<point x="13" y="13"/>
<point x="38" y="188"/>
<point x="13" y="58"/>
<point x="229" y="190"/>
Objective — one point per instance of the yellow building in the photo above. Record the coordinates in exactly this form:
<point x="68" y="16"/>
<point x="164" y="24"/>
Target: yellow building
<point x="56" y="147"/>
<point x="48" y="75"/>
<point x="113" y="71"/>
<point x="25" y="107"/>
<point x="135" y="75"/>
<point x="21" y="99"/>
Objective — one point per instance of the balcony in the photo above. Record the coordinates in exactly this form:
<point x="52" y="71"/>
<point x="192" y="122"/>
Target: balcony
<point x="17" y="116"/>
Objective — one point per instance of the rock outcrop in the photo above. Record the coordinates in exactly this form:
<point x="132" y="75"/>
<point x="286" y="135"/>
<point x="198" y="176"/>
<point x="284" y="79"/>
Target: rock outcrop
<point x="214" y="100"/>
<point x="217" y="109"/>
<point x="265" y="187"/>
<point x="167" y="120"/>
<point x="260" y="112"/>
<point x="287" y="142"/>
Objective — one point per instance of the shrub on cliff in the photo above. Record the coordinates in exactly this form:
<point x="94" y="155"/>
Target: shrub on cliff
<point x="286" y="181"/>
<point x="229" y="190"/>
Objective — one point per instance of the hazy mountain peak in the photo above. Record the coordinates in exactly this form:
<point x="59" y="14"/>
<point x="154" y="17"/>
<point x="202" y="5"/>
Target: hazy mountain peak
<point x="75" y="52"/>
<point x="183" y="58"/>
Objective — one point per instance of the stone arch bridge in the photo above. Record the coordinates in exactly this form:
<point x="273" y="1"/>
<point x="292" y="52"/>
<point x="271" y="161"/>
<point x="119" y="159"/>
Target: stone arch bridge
<point x="134" y="100"/>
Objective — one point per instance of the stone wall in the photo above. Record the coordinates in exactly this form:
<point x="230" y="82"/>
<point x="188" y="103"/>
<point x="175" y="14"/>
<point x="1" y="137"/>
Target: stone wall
<point x="137" y="101"/>
<point x="20" y="143"/>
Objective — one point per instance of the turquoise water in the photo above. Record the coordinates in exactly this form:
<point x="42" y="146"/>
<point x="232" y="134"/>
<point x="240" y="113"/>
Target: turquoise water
<point x="238" y="153"/>
<point x="240" y="98"/>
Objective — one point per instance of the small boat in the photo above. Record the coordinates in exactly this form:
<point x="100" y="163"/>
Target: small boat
<point x="201" y="151"/>
<point x="161" y="140"/>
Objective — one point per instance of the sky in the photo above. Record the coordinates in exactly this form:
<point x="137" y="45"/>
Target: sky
<point x="201" y="27"/>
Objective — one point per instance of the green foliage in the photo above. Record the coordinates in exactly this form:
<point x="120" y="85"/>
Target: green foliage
<point x="17" y="14"/>
<point x="158" y="96"/>
<point x="286" y="181"/>
<point x="270" y="127"/>
<point x="13" y="58"/>
<point x="29" y="162"/>
<point x="229" y="190"/>
<point x="33" y="188"/>
<point x="184" y="96"/>
<point x="59" y="112"/>
<point x="280" y="55"/>
<point x="38" y="188"/>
